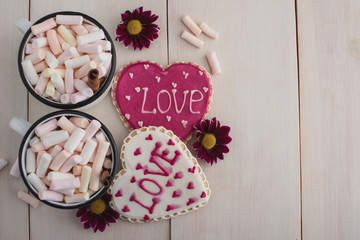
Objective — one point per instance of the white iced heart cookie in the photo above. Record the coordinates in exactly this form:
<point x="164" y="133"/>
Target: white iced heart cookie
<point x="160" y="179"/>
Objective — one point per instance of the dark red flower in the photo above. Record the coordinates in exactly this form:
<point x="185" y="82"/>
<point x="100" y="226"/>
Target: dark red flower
<point x="98" y="214"/>
<point x="138" y="28"/>
<point x="211" y="140"/>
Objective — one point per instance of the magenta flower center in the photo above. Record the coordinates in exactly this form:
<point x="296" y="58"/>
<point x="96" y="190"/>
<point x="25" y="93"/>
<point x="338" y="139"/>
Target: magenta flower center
<point x="134" y="27"/>
<point x="208" y="141"/>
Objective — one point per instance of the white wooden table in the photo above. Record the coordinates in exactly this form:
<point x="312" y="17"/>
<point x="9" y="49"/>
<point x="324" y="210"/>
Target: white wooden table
<point x="290" y="90"/>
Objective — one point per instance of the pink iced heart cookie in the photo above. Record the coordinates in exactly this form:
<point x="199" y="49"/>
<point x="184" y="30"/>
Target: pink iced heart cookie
<point x="176" y="97"/>
<point x="163" y="187"/>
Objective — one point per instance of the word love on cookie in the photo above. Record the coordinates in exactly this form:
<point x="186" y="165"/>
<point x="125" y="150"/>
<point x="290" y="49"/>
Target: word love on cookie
<point x="160" y="179"/>
<point x="177" y="97"/>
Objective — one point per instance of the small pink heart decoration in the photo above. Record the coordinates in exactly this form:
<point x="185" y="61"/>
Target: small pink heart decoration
<point x="163" y="181"/>
<point x="175" y="97"/>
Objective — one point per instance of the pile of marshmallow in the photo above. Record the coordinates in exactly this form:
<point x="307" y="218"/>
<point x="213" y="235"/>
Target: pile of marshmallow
<point x="66" y="160"/>
<point x="58" y="59"/>
<point x="197" y="42"/>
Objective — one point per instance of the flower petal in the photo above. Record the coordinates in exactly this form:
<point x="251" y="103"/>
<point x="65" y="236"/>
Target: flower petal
<point x="125" y="16"/>
<point x="81" y="211"/>
<point x="108" y="217"/>
<point x="223" y="131"/>
<point x="85" y="217"/>
<point x="101" y="224"/>
<point x="107" y="197"/>
<point x="86" y="225"/>
<point x="204" y="125"/>
<point x="196" y="145"/>
<point x="113" y="213"/>
<point x="221" y="148"/>
<point x="93" y="222"/>
<point x="127" y="42"/>
<point x="212" y="125"/>
<point x="224" y="140"/>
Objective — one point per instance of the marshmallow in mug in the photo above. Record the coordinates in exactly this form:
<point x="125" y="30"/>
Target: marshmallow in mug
<point x="59" y="55"/>
<point x="56" y="169"/>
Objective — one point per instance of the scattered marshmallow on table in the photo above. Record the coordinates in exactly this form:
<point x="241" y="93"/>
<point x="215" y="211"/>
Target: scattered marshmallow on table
<point x="192" y="39"/>
<point x="32" y="201"/>
<point x="66" y="159"/>
<point x="3" y="163"/>
<point x="62" y="46"/>
<point x="214" y="63"/>
<point x="209" y="31"/>
<point x="15" y="171"/>
<point x="191" y="25"/>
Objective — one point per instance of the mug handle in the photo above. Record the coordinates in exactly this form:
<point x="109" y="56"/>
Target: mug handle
<point x="23" y="25"/>
<point x="19" y="125"/>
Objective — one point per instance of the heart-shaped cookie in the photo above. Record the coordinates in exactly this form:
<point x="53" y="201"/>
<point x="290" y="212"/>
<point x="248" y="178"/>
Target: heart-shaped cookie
<point x="176" y="97"/>
<point x="160" y="179"/>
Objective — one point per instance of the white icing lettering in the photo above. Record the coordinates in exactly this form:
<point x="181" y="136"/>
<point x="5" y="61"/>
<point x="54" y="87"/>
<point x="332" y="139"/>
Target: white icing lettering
<point x="158" y="101"/>
<point x="144" y="101"/>
<point x="192" y="100"/>
<point x="175" y="102"/>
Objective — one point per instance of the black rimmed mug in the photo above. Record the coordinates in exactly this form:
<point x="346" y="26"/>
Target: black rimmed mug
<point x="28" y="131"/>
<point x="24" y="26"/>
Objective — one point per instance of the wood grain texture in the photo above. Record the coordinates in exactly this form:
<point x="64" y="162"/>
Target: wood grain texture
<point x="330" y="115"/>
<point x="108" y="14"/>
<point x="255" y="191"/>
<point x="13" y="102"/>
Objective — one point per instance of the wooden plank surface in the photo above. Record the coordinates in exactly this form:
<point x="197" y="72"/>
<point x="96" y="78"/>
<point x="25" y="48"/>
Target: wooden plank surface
<point x="108" y="14"/>
<point x="13" y="102"/>
<point x="255" y="191"/>
<point x="330" y="115"/>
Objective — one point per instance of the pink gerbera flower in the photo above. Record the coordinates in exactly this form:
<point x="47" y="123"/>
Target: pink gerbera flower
<point x="211" y="140"/>
<point x="138" y="28"/>
<point x="98" y="214"/>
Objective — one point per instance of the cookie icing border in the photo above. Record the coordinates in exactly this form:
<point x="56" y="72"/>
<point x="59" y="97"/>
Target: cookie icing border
<point x="188" y="154"/>
<point x="116" y="78"/>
